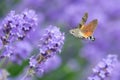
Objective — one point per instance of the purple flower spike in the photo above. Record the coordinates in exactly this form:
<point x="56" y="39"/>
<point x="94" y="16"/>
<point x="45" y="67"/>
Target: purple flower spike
<point x="16" y="26"/>
<point x="8" y="51"/>
<point x="18" y="52"/>
<point x="51" y="43"/>
<point x="37" y="68"/>
<point x="33" y="62"/>
<point x="104" y="68"/>
<point x="29" y="20"/>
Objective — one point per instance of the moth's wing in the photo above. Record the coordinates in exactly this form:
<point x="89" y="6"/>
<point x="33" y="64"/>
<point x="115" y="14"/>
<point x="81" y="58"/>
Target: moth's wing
<point x="84" y="19"/>
<point x="88" y="29"/>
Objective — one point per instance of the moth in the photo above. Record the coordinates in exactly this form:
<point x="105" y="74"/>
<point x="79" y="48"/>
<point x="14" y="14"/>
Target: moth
<point x="84" y="31"/>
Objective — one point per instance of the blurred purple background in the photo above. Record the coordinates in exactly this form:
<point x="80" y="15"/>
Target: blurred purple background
<point x="67" y="14"/>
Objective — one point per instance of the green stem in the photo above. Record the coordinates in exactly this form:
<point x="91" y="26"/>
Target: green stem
<point x="29" y="74"/>
<point x="5" y="62"/>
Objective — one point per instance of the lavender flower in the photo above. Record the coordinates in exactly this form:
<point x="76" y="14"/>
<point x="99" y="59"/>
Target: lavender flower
<point x="13" y="28"/>
<point x="7" y="51"/>
<point x="18" y="52"/>
<point x="104" y="68"/>
<point x="51" y="42"/>
<point x="49" y="66"/>
<point x="35" y="67"/>
<point x="30" y="20"/>
<point x="16" y="26"/>
<point x="115" y="75"/>
<point x="1" y="45"/>
<point x="21" y="52"/>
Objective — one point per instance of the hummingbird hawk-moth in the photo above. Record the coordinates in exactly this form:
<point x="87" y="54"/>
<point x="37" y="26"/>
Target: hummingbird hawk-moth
<point x="84" y="31"/>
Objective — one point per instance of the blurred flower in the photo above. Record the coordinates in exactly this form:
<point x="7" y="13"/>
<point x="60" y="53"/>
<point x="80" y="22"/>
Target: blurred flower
<point x="72" y="14"/>
<point x="3" y="74"/>
<point x="104" y="68"/>
<point x="16" y="26"/>
<point x="31" y="4"/>
<point x="66" y="12"/>
<point x="111" y="8"/>
<point x="92" y="53"/>
<point x="73" y="65"/>
<point x="1" y="45"/>
<point x="52" y="13"/>
<point x="51" y="43"/>
<point x="13" y="28"/>
<point x="116" y="73"/>
<point x="18" y="52"/>
<point x="8" y="51"/>
<point x="49" y="66"/>
<point x="21" y="52"/>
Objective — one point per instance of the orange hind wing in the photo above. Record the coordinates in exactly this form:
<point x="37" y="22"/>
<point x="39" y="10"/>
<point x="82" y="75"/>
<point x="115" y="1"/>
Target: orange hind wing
<point x="88" y="29"/>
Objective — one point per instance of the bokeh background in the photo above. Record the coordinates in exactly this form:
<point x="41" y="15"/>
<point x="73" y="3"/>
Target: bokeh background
<point x="78" y="57"/>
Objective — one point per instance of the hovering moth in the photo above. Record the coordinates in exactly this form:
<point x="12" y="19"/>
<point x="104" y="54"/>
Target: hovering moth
<point x="84" y="31"/>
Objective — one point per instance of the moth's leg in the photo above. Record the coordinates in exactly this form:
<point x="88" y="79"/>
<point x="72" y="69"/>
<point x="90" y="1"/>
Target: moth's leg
<point x="81" y="37"/>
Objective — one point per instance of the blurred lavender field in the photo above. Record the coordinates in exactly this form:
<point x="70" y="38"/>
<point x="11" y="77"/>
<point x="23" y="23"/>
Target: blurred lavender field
<point x="35" y="43"/>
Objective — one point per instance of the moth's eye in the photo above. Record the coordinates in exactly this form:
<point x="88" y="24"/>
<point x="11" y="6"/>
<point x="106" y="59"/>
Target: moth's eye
<point x="72" y="31"/>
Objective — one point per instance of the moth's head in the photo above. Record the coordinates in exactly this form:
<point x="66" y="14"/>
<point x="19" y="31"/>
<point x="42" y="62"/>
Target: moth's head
<point x="75" y="32"/>
<point x="72" y="31"/>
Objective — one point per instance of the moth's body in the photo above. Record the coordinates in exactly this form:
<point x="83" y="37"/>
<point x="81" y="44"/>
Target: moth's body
<point x="77" y="32"/>
<point x="85" y="31"/>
